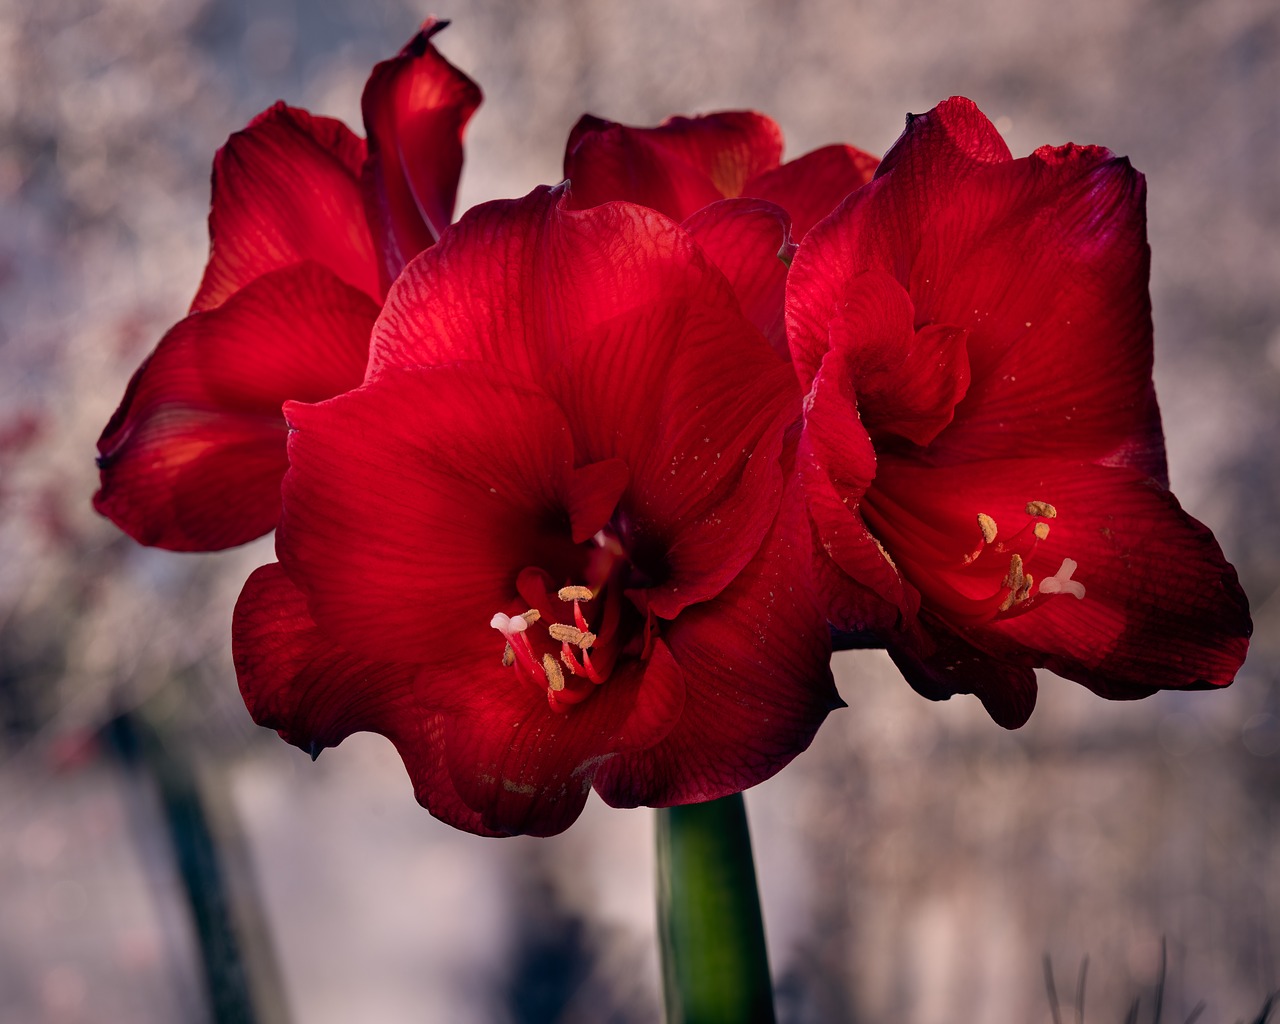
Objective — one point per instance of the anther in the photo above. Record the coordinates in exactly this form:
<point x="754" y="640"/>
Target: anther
<point x="1041" y="508"/>
<point x="1015" y="576"/>
<point x="571" y="635"/>
<point x="555" y="678"/>
<point x="531" y="616"/>
<point x="1024" y="591"/>
<point x="564" y="633"/>
<point x="1041" y="530"/>
<point x="988" y="527"/>
<point x="574" y="594"/>
<point x="508" y="656"/>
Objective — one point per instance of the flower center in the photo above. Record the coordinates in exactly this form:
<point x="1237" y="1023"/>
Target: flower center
<point x="572" y="637"/>
<point x="990" y="580"/>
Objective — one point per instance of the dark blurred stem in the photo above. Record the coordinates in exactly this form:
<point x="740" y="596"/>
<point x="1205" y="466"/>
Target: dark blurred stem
<point x="203" y="868"/>
<point x="715" y="967"/>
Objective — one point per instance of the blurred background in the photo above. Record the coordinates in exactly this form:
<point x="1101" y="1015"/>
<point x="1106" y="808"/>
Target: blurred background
<point x="917" y="863"/>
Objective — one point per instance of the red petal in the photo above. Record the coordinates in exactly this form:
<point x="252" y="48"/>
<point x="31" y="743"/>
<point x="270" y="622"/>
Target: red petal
<point x="527" y="769"/>
<point x="813" y="185"/>
<point x="880" y="226"/>
<point x="514" y="277"/>
<point x="620" y="316"/>
<point x="1045" y="262"/>
<point x="412" y="504"/>
<point x="416" y="108"/>
<point x="677" y="168"/>
<point x="748" y="240"/>
<point x="1007" y="688"/>
<point x="1162" y="608"/>
<point x="757" y="680"/>
<point x="193" y="458"/>
<point x="286" y="189"/>
<point x="295" y="680"/>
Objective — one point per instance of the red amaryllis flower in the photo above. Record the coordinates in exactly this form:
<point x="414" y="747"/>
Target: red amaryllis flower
<point x="552" y="542"/>
<point x="308" y="226"/>
<point x="982" y="449"/>
<point x="687" y="168"/>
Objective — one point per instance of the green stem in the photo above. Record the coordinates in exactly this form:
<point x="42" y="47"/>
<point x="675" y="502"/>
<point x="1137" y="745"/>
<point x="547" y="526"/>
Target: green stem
<point x="715" y="967"/>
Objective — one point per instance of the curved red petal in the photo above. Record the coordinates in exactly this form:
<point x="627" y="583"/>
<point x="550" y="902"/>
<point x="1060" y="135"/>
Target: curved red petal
<point x="756" y="665"/>
<point x="880" y="226"/>
<point x="1044" y="261"/>
<point x="286" y="189"/>
<point x="907" y="382"/>
<point x="412" y="504"/>
<point x="416" y="107"/>
<point x="949" y="665"/>
<point x="193" y="458"/>
<point x="527" y="769"/>
<point x="315" y="694"/>
<point x="749" y="240"/>
<point x="677" y="168"/>
<point x="813" y="185"/>
<point x="837" y="465"/>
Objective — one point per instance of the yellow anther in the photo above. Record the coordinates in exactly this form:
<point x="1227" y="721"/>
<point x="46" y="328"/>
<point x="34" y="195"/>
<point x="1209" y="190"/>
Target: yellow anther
<point x="1041" y="530"/>
<point x="508" y="656"/>
<point x="574" y="594"/>
<point x="571" y="635"/>
<point x="1015" y="577"/>
<point x="1024" y="591"/>
<point x="566" y="634"/>
<point x="555" y="678"/>
<point x="1041" y="508"/>
<point x="988" y="527"/>
<point x="531" y="616"/>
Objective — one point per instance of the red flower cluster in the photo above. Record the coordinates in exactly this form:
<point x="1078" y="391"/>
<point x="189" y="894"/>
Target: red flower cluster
<point x="568" y="503"/>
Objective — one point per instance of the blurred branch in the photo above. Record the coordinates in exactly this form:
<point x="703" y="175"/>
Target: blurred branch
<point x="238" y="965"/>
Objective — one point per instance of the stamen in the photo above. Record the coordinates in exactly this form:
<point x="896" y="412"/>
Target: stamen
<point x="531" y="616"/>
<point x="1062" y="583"/>
<point x="555" y="678"/>
<point x="574" y="594"/>
<point x="508" y="656"/>
<point x="988" y="527"/>
<point x="1041" y="530"/>
<point x="1041" y="508"/>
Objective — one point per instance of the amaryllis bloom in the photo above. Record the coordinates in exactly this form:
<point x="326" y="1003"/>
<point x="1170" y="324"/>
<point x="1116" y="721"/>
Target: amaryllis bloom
<point x="554" y="541"/>
<point x="982" y="450"/>
<point x="724" y="168"/>
<point x="309" y="224"/>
